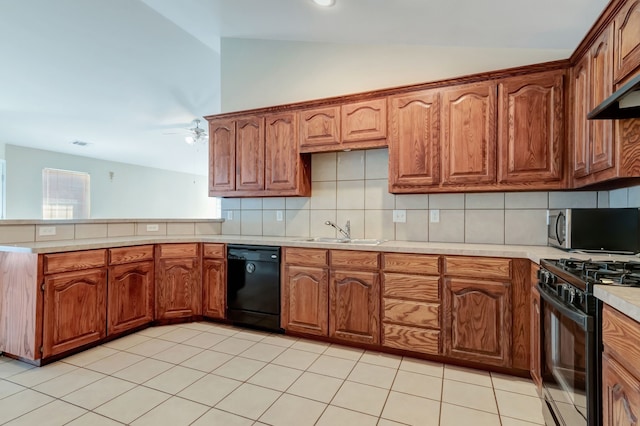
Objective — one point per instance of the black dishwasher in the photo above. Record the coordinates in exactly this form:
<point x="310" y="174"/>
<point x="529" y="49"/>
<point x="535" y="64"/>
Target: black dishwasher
<point x="253" y="286"/>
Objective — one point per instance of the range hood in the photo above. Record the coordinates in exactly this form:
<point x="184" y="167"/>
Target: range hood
<point x="623" y="103"/>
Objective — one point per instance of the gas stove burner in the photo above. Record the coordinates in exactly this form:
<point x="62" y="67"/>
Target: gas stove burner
<point x="603" y="272"/>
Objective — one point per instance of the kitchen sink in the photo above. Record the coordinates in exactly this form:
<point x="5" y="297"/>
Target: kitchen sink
<point x="355" y="241"/>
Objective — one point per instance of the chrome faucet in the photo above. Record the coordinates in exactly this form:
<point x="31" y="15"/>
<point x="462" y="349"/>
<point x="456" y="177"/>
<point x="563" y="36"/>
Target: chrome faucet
<point x="346" y="232"/>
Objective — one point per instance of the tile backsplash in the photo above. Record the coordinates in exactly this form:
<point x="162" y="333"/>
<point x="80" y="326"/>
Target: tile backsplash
<point x="353" y="186"/>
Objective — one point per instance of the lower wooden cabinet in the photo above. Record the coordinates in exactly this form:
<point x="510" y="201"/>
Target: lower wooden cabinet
<point x="130" y="301"/>
<point x="178" y="281"/>
<point x="535" y="366"/>
<point x="305" y="300"/>
<point x="214" y="286"/>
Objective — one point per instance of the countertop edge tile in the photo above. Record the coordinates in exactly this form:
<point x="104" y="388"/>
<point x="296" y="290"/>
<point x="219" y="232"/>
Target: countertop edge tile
<point x="624" y="299"/>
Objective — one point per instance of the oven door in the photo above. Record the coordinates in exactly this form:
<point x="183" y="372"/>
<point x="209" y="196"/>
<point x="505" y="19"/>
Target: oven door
<point x="558" y="224"/>
<point x="570" y="371"/>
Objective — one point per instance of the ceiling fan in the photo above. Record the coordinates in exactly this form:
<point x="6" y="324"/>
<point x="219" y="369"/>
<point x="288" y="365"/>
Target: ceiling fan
<point x="194" y="134"/>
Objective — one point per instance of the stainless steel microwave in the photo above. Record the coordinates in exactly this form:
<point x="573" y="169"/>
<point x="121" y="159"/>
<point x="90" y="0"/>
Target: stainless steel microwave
<point x="606" y="230"/>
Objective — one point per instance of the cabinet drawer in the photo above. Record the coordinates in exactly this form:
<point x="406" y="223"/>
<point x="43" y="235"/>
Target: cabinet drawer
<point x="214" y="251"/>
<point x="355" y="259"/>
<point x="412" y="313"/>
<point x="478" y="267"/>
<point x="308" y="257"/>
<point x="177" y="250"/>
<point x="74" y="261"/>
<point x="416" y="287"/>
<point x="410" y="263"/>
<point x="411" y="339"/>
<point x="121" y="255"/>
<point x="621" y="336"/>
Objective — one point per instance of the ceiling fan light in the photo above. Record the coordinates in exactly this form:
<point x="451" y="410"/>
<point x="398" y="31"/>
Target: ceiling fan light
<point x="190" y="140"/>
<point x="325" y="3"/>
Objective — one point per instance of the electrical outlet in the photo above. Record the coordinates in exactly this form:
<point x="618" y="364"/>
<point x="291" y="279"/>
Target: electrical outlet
<point x="230" y="215"/>
<point x="434" y="216"/>
<point x="153" y="227"/>
<point x="279" y="216"/>
<point x="47" y="230"/>
<point x="400" y="216"/>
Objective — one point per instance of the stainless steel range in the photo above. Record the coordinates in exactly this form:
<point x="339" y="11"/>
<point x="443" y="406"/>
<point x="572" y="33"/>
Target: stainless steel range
<point x="571" y="335"/>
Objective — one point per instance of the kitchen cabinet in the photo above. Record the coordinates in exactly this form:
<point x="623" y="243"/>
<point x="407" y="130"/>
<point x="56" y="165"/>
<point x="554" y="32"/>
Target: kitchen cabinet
<point x="620" y="371"/>
<point x="411" y="307"/>
<point x="130" y="288"/>
<point x="581" y="87"/>
<point x="364" y="121"/>
<point x="222" y="157"/>
<point x="627" y="42"/>
<point x="214" y="280"/>
<point x="535" y="366"/>
<point x="178" y="281"/>
<point x="320" y="129"/>
<point x="531" y="130"/>
<point x="75" y="309"/>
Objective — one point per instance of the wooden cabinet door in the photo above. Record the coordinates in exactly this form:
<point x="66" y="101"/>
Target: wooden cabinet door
<point x="581" y="88"/>
<point x="178" y="288"/>
<point x="74" y="310"/>
<point x="250" y="154"/>
<point x="281" y="156"/>
<point x="366" y="120"/>
<point x="222" y="155"/>
<point x="214" y="283"/>
<point x="354" y="301"/>
<point x="627" y="40"/>
<point x="536" y="354"/>
<point x="620" y="395"/>
<point x="414" y="142"/>
<point x="469" y="134"/>
<point x="530" y="128"/>
<point x="305" y="303"/>
<point x="130" y="289"/>
<point x="477" y="321"/>
<point x="601" y="134"/>
<point x="319" y="129"/>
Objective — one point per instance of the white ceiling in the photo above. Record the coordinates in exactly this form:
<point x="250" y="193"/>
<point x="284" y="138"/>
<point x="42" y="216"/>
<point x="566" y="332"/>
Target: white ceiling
<point x="119" y="73"/>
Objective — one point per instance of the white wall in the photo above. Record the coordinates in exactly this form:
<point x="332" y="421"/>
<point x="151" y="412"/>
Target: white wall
<point x="134" y="192"/>
<point x="2" y="145"/>
<point x="258" y="73"/>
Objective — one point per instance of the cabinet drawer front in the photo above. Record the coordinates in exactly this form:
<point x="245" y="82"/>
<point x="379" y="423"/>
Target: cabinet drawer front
<point x="357" y="259"/>
<point x="410" y="263"/>
<point x="621" y="336"/>
<point x="416" y="287"/>
<point x="73" y="261"/>
<point x="309" y="257"/>
<point x="121" y="255"/>
<point x="177" y="250"/>
<point x="411" y="339"/>
<point x="412" y="313"/>
<point x="214" y="251"/>
<point x="478" y="267"/>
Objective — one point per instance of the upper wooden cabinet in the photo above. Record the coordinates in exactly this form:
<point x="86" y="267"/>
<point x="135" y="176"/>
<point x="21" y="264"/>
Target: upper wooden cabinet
<point x="320" y="129"/>
<point x="250" y="154"/>
<point x="580" y="129"/>
<point x="364" y="121"/>
<point x="222" y="156"/>
<point x="285" y="170"/>
<point x="531" y="130"/>
<point x="627" y="40"/>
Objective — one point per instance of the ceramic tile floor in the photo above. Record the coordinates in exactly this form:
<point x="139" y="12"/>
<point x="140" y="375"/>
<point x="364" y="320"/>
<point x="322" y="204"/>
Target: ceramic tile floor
<point x="211" y="374"/>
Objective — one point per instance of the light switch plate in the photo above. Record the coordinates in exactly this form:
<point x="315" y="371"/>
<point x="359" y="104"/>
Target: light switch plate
<point x="279" y="216"/>
<point x="434" y="216"/>
<point x="153" y="227"/>
<point x="47" y="230"/>
<point x="400" y="216"/>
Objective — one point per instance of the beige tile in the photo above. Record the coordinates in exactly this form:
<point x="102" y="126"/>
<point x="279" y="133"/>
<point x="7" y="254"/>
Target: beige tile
<point x="273" y="203"/>
<point x="418" y="385"/>
<point x="378" y="224"/>
<point x="144" y="370"/>
<point x="253" y="335"/>
<point x="315" y="386"/>
<point x="519" y="406"/>
<point x="89" y="356"/>
<point x="210" y="389"/>
<point x="297" y="203"/>
<point x="486" y="201"/>
<point x="508" y="421"/>
<point x="121" y="229"/>
<point x="573" y="199"/>
<point x="239" y="368"/>
<point x="93" y="419"/>
<point x="345" y="352"/>
<point x="291" y="410"/>
<point x="126" y="342"/>
<point x="385" y="422"/>
<point x="350" y="195"/>
<point x="280" y="340"/>
<point x="218" y="417"/>
<point x="200" y="326"/>
<point x="17" y="234"/>
<point x="350" y="165"/>
<point x="91" y="230"/>
<point x="323" y="196"/>
<point x="412" y="202"/>
<point x="231" y="203"/>
<point x="484" y="226"/>
<point x="52" y="414"/>
<point x="151" y="347"/>
<point x="251" y="222"/>
<point x="450" y="229"/>
<point x="454" y="415"/>
<point x="317" y="227"/>
<point x="251" y="203"/>
<point x="468" y="395"/>
<point x="331" y="366"/>
<point x="262" y="352"/>
<point x="174" y="380"/>
<point x="526" y="200"/>
<point x="381" y="359"/>
<point x="633" y="197"/>
<point x="21" y="403"/>
<point x="446" y="201"/>
<point x="123" y="410"/>
<point x="13" y="367"/>
<point x="373" y="375"/>
<point x="297" y="223"/>
<point x="181" y="228"/>
<point x="415" y="365"/>
<point x="205" y="340"/>
<point x="155" y="331"/>
<point x="180" y="335"/>
<point x="224" y="330"/>
<point x="356" y="217"/>
<point x="376" y="163"/>
<point x="514" y="384"/>
<point x="295" y="358"/>
<point x="173" y="412"/>
<point x="8" y="388"/>
<point x="177" y="354"/>
<point x="141" y="228"/>
<point x="526" y="227"/>
<point x="363" y="398"/>
<point x="333" y="416"/>
<point x="69" y="382"/>
<point x="323" y="166"/>
<point x="97" y="393"/>
<point x="271" y="226"/>
<point x="603" y="198"/>
<point x="231" y="226"/>
<point x="310" y="346"/>
<point x="63" y="232"/>
<point x="249" y="401"/>
<point x="207" y="361"/>
<point x="35" y="376"/>
<point x="411" y="409"/>
<point x="377" y="196"/>
<point x="115" y="362"/>
<point x="416" y="228"/>
<point x="208" y="228"/>
<point x="233" y="346"/>
<point x="275" y="377"/>
<point x="467" y="375"/>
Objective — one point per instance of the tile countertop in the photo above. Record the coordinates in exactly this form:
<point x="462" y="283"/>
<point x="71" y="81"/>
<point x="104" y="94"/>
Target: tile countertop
<point x="624" y="299"/>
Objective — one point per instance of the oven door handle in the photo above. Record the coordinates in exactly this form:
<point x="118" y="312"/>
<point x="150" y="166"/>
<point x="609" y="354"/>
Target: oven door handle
<point x="583" y="320"/>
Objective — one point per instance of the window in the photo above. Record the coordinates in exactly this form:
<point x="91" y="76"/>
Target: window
<point x="65" y="194"/>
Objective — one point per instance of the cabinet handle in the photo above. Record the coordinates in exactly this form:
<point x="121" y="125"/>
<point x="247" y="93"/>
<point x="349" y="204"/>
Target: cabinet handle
<point x="625" y="403"/>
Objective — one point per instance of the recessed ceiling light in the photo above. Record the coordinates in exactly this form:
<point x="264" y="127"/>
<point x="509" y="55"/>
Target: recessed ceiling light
<point x="325" y="3"/>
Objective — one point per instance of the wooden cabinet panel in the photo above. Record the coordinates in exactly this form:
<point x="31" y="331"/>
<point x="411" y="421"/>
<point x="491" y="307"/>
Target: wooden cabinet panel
<point x="411" y="263"/>
<point x="74" y="261"/>
<point x="122" y="255"/>
<point x="581" y="86"/>
<point x="414" y="142"/>
<point x="477" y="321"/>
<point x="405" y="286"/>
<point x="536" y="335"/>
<point x="222" y="155"/>
<point x="411" y="313"/>
<point x="305" y="300"/>
<point x="601" y="85"/>
<point x="213" y="251"/>
<point x="307" y="257"/>
<point x="366" y="120"/>
<point x="319" y="129"/>
<point x="485" y="267"/>
<point x="621" y="395"/>
<point x="74" y="310"/>
<point x="281" y="153"/>
<point x="531" y="128"/>
<point x="469" y="134"/>
<point x="627" y="40"/>
<point x="355" y="259"/>
<point x="250" y="154"/>
<point x="130" y="296"/>
<point x="177" y="250"/>
<point x="621" y="336"/>
<point x="411" y="339"/>
<point x="178" y="282"/>
<point x="214" y="286"/>
<point x="354" y="312"/>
